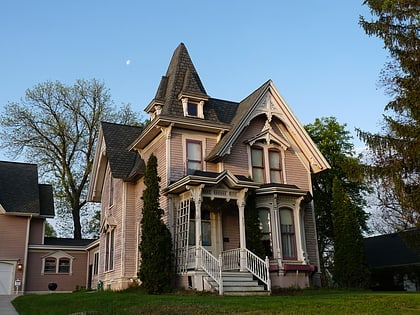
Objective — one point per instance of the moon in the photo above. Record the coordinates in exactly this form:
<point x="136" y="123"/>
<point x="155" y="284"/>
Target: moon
<point x="128" y="62"/>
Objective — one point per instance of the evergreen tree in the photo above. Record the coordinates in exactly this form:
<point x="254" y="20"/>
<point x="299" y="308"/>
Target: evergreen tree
<point x="156" y="269"/>
<point x="395" y="150"/>
<point x="334" y="142"/>
<point x="252" y="227"/>
<point x="350" y="269"/>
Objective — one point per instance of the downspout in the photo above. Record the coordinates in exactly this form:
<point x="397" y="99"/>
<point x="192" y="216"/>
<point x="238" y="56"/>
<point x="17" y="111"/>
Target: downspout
<point x="123" y="228"/>
<point x="25" y="259"/>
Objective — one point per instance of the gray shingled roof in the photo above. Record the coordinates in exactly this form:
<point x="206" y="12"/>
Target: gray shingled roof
<point x="182" y="79"/>
<point x="394" y="249"/>
<point x="242" y="109"/>
<point x="67" y="241"/>
<point x="20" y="191"/>
<point x="124" y="164"/>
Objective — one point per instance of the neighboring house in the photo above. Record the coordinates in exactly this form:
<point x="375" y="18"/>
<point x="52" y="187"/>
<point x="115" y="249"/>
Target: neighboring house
<point x="27" y="258"/>
<point x="211" y="153"/>
<point x="394" y="260"/>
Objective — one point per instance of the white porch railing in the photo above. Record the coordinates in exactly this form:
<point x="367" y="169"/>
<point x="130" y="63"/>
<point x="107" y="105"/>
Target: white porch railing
<point x="231" y="259"/>
<point x="259" y="268"/>
<point x="213" y="267"/>
<point x="190" y="257"/>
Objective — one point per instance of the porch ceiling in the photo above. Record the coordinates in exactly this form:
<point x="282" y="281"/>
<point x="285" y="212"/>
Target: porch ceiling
<point x="210" y="179"/>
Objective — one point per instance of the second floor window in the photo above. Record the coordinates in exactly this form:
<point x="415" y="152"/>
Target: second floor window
<point x="194" y="156"/>
<point x="266" y="163"/>
<point x="275" y="165"/>
<point x="257" y="160"/>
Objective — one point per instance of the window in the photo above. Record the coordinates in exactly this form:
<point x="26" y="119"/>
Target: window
<point x="96" y="263"/>
<point x="287" y="228"/>
<point x="64" y="265"/>
<point x="58" y="262"/>
<point x="194" y="156"/>
<point x="205" y="227"/>
<point x="192" y="109"/>
<point x="264" y="218"/>
<point x="257" y="160"/>
<point x="50" y="265"/>
<point x="109" y="250"/>
<point x="111" y="190"/>
<point x="275" y="165"/>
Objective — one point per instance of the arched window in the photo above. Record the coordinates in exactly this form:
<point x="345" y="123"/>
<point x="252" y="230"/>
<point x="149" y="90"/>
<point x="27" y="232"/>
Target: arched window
<point x="288" y="239"/>
<point x="265" y="227"/>
<point x="57" y="262"/>
<point x="274" y="156"/>
<point x="50" y="265"/>
<point x="257" y="160"/>
<point x="64" y="265"/>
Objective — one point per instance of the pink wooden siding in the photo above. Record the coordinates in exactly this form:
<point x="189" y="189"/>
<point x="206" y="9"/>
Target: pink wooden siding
<point x="13" y="236"/>
<point x="36" y="231"/>
<point x="210" y="143"/>
<point x="230" y="226"/>
<point x="177" y="160"/>
<point x="296" y="173"/>
<point x="237" y="161"/>
<point x="66" y="282"/>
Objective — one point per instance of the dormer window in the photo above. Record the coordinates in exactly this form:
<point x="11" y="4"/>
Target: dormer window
<point x="192" y="108"/>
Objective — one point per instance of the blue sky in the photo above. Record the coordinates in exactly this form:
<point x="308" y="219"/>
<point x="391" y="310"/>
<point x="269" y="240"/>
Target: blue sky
<point x="315" y="52"/>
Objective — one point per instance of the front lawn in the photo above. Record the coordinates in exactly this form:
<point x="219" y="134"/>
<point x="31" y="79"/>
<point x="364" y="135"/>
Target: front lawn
<point x="292" y="302"/>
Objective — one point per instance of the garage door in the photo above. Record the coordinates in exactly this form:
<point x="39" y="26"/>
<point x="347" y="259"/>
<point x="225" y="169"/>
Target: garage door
<point x="6" y="271"/>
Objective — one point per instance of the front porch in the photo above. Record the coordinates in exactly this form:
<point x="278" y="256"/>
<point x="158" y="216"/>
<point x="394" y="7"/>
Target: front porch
<point x="210" y="240"/>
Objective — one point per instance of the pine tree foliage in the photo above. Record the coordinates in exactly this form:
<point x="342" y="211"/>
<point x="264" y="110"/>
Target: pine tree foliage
<point x="253" y="228"/>
<point x="396" y="149"/>
<point x="350" y="269"/>
<point x="334" y="142"/>
<point x="156" y="268"/>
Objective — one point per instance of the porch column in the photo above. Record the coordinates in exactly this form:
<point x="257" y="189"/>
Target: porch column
<point x="196" y="196"/>
<point x="298" y="230"/>
<point x="242" y="237"/>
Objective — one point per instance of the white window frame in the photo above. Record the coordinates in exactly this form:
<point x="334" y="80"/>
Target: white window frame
<point x="58" y="255"/>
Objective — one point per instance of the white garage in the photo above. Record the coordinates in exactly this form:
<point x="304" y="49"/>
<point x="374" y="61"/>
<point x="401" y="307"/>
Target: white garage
<point x="6" y="274"/>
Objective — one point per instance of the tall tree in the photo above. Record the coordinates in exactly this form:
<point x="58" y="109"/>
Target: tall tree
<point x="253" y="227"/>
<point x="56" y="126"/>
<point x="395" y="150"/>
<point x="350" y="268"/>
<point x="334" y="141"/>
<point x="156" y="268"/>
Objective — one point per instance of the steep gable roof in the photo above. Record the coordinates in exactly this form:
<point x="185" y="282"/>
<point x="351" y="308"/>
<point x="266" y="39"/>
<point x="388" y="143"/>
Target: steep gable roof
<point x="123" y="162"/>
<point x="20" y="192"/>
<point x="267" y="100"/>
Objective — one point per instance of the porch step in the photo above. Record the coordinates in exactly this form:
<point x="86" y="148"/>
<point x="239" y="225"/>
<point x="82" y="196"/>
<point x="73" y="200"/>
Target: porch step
<point x="239" y="283"/>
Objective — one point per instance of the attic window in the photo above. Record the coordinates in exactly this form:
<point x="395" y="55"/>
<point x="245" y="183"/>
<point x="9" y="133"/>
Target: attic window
<point x="193" y="108"/>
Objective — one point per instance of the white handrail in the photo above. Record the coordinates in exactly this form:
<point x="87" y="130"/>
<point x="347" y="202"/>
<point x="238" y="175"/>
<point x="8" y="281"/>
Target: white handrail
<point x="259" y="268"/>
<point x="213" y="267"/>
<point x="231" y="259"/>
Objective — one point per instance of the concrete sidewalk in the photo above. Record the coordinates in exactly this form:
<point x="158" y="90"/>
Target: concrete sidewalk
<point x="6" y="307"/>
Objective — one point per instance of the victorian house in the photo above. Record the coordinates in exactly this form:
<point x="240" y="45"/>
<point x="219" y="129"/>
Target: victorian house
<point x="212" y="154"/>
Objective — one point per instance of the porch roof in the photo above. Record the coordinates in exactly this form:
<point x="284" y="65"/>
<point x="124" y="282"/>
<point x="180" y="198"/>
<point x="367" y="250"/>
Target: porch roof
<point x="210" y="179"/>
<point x="282" y="189"/>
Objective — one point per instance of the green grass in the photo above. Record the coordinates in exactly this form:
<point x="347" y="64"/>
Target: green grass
<point x="134" y="301"/>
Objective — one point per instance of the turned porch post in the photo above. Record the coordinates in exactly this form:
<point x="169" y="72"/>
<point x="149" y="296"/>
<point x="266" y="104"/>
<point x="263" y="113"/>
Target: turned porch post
<point x="196" y="196"/>
<point x="242" y="237"/>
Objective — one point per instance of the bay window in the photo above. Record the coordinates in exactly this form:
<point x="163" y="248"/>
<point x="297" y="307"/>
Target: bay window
<point x="287" y="229"/>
